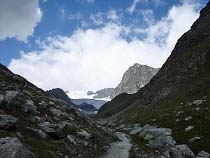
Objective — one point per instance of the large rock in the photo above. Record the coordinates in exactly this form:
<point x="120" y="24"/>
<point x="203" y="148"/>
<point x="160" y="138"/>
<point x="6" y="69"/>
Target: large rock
<point x="54" y="130"/>
<point x="7" y="122"/>
<point x="84" y="135"/>
<point x="158" y="137"/>
<point x="203" y="154"/>
<point x="29" y="106"/>
<point x="181" y="151"/>
<point x="13" y="148"/>
<point x="10" y="95"/>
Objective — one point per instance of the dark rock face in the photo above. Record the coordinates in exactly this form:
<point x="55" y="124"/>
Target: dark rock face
<point x="59" y="94"/>
<point x="134" y="78"/>
<point x="13" y="148"/>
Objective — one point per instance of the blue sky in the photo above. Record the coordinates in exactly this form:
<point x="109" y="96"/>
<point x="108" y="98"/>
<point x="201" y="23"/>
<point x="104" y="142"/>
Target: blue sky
<point x="66" y="28"/>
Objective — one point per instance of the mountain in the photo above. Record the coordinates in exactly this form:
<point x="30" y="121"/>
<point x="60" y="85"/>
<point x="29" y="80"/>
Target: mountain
<point x="94" y="102"/>
<point x="87" y="108"/>
<point x="59" y="94"/>
<point x="35" y="125"/>
<point x="101" y="94"/>
<point x="178" y="96"/>
<point x="134" y="78"/>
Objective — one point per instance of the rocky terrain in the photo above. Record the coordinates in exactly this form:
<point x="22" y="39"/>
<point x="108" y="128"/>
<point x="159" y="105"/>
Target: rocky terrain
<point x="134" y="78"/>
<point x="36" y="125"/>
<point x="177" y="97"/>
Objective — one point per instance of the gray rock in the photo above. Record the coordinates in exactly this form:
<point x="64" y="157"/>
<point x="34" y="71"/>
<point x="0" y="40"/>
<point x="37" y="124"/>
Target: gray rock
<point x="29" y="106"/>
<point x="181" y="151"/>
<point x="203" y="154"/>
<point x="56" y="112"/>
<point x="84" y="135"/>
<point x="39" y="132"/>
<point x="135" y="131"/>
<point x="7" y="122"/>
<point x="71" y="139"/>
<point x="1" y="99"/>
<point x="10" y="95"/>
<point x="13" y="148"/>
<point x="192" y="140"/>
<point x="54" y="130"/>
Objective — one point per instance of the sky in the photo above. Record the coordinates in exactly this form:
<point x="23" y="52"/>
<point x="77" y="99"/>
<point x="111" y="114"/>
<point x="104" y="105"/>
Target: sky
<point x="81" y="45"/>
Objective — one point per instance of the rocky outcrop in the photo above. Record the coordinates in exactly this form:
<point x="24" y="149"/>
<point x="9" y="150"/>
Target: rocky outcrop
<point x="134" y="78"/>
<point x="13" y="148"/>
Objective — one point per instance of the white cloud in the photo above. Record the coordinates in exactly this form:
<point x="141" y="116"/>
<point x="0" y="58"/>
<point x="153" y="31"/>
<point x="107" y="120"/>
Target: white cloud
<point x="132" y="8"/>
<point x="96" y="58"/>
<point x="112" y="15"/>
<point x="18" y="18"/>
<point x="97" y="18"/>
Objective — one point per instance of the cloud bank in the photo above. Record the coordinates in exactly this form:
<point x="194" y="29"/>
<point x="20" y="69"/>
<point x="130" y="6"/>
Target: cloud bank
<point x="92" y="59"/>
<point x="18" y="18"/>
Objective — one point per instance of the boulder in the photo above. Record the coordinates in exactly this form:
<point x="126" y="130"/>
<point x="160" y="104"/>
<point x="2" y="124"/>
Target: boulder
<point x="13" y="148"/>
<point x="55" y="131"/>
<point x="56" y="112"/>
<point x="181" y="151"/>
<point x="38" y="132"/>
<point x="7" y="122"/>
<point x="203" y="154"/>
<point x="84" y="135"/>
<point x="29" y="106"/>
<point x="1" y="99"/>
<point x="11" y="95"/>
<point x="71" y="139"/>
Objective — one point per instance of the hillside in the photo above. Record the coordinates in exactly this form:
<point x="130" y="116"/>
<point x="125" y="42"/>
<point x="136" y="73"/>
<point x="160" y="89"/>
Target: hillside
<point x="35" y="125"/>
<point x="134" y="78"/>
<point x="178" y="97"/>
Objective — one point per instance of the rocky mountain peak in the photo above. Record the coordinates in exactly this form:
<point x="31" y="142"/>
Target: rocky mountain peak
<point x="134" y="78"/>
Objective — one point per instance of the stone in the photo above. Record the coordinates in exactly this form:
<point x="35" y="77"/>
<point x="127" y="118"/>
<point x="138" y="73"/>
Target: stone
<point x="11" y="95"/>
<point x="84" y="135"/>
<point x="181" y="151"/>
<point x="197" y="102"/>
<point x="55" y="131"/>
<point x="13" y="148"/>
<point x="203" y="154"/>
<point x="38" y="132"/>
<point x="2" y="99"/>
<point x="71" y="139"/>
<point x="135" y="131"/>
<point x="7" y="122"/>
<point x="189" y="128"/>
<point x="192" y="140"/>
<point x="29" y="106"/>
<point x="56" y="112"/>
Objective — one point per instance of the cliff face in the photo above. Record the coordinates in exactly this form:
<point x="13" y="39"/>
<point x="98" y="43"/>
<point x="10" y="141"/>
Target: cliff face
<point x="180" y="89"/>
<point x="134" y="78"/>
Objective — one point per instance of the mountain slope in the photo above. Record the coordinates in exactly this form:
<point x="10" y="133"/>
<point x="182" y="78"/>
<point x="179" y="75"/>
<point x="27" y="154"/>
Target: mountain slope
<point x="178" y="97"/>
<point x="59" y="94"/>
<point x="44" y="127"/>
<point x="134" y="78"/>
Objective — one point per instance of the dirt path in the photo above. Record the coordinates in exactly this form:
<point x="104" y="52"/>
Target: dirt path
<point x="119" y="149"/>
